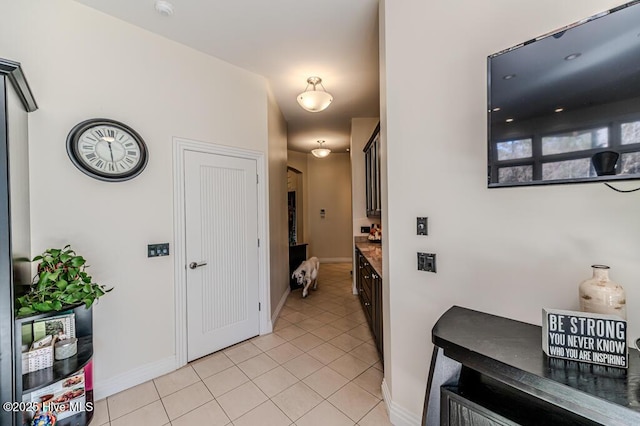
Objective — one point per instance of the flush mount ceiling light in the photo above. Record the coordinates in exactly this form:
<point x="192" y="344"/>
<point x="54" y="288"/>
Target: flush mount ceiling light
<point x="509" y="76"/>
<point x="315" y="100"/>
<point x="572" y="56"/>
<point x="164" y="8"/>
<point x="321" y="152"/>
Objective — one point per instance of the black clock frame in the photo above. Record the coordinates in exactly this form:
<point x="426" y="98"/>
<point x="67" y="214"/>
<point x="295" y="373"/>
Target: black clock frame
<point x="74" y="156"/>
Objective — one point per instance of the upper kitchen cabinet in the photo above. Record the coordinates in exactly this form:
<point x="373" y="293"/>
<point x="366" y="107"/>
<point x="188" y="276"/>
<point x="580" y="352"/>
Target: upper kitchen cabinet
<point x="372" y="172"/>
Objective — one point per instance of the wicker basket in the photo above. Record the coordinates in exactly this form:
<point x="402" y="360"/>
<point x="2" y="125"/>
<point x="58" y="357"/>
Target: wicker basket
<point x="37" y="359"/>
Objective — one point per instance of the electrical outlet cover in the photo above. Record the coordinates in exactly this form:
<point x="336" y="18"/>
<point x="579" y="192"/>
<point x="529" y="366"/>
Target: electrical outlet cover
<point x="427" y="262"/>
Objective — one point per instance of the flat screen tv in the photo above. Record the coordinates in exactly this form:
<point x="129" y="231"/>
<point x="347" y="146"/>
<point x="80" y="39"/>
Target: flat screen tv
<point x="565" y="107"/>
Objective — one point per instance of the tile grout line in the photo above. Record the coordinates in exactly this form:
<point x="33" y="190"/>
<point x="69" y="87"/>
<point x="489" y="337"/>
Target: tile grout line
<point x="161" y="401"/>
<point x="336" y="305"/>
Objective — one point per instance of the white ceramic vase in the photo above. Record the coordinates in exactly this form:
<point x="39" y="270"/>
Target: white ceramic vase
<point x="600" y="295"/>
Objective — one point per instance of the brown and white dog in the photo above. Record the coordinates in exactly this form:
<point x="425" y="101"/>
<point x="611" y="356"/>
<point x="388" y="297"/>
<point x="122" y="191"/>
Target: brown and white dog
<point x="307" y="274"/>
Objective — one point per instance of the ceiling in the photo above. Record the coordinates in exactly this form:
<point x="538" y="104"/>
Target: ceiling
<point x="286" y="41"/>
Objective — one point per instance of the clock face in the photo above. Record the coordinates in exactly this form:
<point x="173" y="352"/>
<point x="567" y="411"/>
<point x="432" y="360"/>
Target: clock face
<point x="107" y="150"/>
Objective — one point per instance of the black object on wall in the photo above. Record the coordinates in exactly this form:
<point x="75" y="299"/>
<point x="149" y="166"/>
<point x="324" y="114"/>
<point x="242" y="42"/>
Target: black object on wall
<point x="549" y="113"/>
<point x="605" y="162"/>
<point x="11" y="80"/>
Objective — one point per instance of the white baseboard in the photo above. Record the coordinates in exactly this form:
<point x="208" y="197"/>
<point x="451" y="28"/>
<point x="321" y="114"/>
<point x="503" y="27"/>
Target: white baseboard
<point x="335" y="260"/>
<point x="283" y="299"/>
<point x="131" y="378"/>
<point x="398" y="416"/>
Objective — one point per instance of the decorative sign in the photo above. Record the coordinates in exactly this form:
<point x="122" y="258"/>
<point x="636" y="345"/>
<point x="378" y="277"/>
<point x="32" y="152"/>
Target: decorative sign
<point x="581" y="336"/>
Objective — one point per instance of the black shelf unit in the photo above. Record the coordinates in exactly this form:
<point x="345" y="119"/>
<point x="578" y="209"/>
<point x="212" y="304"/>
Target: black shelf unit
<point x="63" y="368"/>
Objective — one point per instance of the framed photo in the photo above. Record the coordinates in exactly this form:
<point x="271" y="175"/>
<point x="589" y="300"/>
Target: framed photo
<point x="55" y="326"/>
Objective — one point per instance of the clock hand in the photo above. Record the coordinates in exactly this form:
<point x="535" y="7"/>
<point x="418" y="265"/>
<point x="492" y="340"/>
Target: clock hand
<point x="111" y="151"/>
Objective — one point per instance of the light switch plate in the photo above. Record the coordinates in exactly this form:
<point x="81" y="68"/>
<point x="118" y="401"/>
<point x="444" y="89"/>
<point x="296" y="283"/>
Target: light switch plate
<point x="155" y="250"/>
<point x="421" y="226"/>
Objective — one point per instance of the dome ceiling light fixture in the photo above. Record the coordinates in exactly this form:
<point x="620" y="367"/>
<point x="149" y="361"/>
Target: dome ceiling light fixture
<point x="321" y="152"/>
<point x="164" y="8"/>
<point x="314" y="100"/>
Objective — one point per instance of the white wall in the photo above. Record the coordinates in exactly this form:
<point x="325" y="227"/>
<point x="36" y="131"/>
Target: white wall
<point x="329" y="188"/>
<point x="278" y="225"/>
<point x="507" y="251"/>
<point x="80" y="64"/>
<point x="326" y="185"/>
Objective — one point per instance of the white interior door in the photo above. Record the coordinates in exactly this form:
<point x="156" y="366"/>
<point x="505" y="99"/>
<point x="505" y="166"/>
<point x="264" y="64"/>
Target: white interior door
<point x="221" y="213"/>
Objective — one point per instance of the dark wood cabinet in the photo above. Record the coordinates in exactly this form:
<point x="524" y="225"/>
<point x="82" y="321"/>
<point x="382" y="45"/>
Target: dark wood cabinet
<point x="372" y="174"/>
<point x="456" y="410"/>
<point x="369" y="284"/>
<point x="490" y="370"/>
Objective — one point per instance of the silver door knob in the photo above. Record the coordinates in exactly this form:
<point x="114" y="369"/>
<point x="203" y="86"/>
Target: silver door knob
<point x="194" y="265"/>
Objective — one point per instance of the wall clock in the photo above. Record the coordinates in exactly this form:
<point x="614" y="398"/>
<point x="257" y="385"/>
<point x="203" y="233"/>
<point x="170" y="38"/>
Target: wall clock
<point x="107" y="150"/>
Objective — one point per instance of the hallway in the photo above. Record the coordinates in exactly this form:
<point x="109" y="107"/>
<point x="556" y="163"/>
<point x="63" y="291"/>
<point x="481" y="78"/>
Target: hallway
<point x="318" y="367"/>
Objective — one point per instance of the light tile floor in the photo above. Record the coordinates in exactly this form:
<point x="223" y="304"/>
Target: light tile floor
<point x="318" y="367"/>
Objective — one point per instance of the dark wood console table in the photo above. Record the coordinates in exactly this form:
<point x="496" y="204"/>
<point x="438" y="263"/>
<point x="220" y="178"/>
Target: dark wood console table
<point x="491" y="370"/>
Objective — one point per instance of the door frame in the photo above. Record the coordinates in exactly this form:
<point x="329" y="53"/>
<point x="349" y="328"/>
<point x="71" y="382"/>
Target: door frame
<point x="180" y="146"/>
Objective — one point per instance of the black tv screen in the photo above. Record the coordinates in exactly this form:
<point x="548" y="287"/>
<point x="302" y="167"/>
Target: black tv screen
<point x="565" y="106"/>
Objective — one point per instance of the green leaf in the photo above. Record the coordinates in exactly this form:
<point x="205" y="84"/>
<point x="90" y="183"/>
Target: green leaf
<point x="88" y="302"/>
<point x="35" y="259"/>
<point x="43" y="307"/>
<point x="64" y="257"/>
<point x="26" y="311"/>
<point x="57" y="305"/>
<point x="62" y="284"/>
<point x="77" y="261"/>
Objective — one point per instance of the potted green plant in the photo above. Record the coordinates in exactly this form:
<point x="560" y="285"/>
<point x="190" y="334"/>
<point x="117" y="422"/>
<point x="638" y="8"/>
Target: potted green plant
<point x="60" y="280"/>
